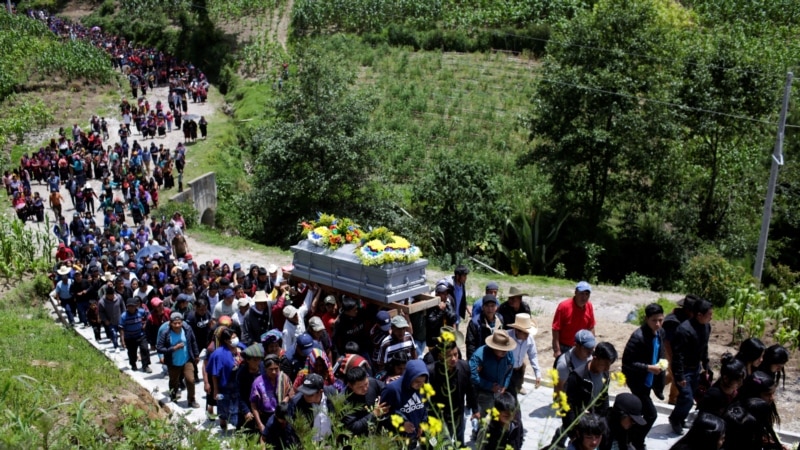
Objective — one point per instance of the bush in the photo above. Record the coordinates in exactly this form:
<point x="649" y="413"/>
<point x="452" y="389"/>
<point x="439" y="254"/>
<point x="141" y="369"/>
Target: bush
<point x="665" y="303"/>
<point x="712" y="277"/>
<point x="636" y="280"/>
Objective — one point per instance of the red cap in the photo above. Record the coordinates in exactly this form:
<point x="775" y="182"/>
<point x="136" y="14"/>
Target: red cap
<point x="156" y="302"/>
<point x="188" y="256"/>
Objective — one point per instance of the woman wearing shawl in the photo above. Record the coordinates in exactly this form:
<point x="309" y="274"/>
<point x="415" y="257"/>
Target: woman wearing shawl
<point x="269" y="390"/>
<point x="316" y="362"/>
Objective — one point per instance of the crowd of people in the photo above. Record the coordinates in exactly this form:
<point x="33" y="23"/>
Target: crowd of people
<point x="269" y="348"/>
<point x="120" y="159"/>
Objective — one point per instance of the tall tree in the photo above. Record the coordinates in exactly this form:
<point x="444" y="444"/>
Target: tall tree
<point x="593" y="126"/>
<point x="317" y="155"/>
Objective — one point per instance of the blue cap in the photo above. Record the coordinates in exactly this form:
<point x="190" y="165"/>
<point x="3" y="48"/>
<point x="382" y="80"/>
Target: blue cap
<point x="304" y="344"/>
<point x="583" y="286"/>
<point x="227" y="293"/>
<point x="585" y="338"/>
<point x="237" y="266"/>
<point x="384" y="321"/>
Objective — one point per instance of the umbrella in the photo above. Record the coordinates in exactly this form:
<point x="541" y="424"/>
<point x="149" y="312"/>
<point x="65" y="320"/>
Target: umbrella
<point x="150" y="250"/>
<point x="179" y="90"/>
<point x="95" y="28"/>
<point x="191" y="117"/>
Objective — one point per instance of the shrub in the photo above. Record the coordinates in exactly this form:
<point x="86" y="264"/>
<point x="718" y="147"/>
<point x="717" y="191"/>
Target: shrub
<point x="636" y="280"/>
<point x="665" y="303"/>
<point x="712" y="277"/>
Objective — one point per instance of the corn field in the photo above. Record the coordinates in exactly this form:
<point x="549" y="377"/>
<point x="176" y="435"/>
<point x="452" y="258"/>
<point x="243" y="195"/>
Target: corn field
<point x="23" y="250"/>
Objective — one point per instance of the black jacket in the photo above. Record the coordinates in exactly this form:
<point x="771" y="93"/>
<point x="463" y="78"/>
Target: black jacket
<point x="256" y="324"/>
<point x="509" y="314"/>
<point x="579" y="389"/>
<point x="436" y="319"/>
<point x="163" y="345"/>
<point x="461" y="388"/>
<point x="477" y="332"/>
<point x="638" y="355"/>
<point x="462" y="307"/>
<point x="359" y="419"/>
<point x="689" y="348"/>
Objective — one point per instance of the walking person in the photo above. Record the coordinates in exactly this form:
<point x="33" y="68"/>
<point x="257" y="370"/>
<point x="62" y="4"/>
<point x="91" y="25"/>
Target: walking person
<point x="131" y="325"/>
<point x="689" y="357"/>
<point x="640" y="365"/>
<point x="178" y="345"/>
<point x="203" y="124"/>
<point x="572" y="315"/>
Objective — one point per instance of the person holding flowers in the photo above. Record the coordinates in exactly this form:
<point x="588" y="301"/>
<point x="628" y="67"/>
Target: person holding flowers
<point x="502" y="431"/>
<point x="642" y="366"/>
<point x="587" y="388"/>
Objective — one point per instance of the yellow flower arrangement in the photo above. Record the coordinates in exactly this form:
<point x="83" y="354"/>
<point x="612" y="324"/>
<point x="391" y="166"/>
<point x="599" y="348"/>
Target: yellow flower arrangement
<point x="663" y="363"/>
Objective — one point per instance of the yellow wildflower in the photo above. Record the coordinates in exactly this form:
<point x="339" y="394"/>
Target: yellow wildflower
<point x="397" y="421"/>
<point x="495" y="414"/>
<point x="447" y="336"/>
<point x="553" y="375"/>
<point x="619" y="377"/>
<point x="427" y="389"/>
<point x="434" y="426"/>
<point x="440" y="405"/>
<point x="663" y="363"/>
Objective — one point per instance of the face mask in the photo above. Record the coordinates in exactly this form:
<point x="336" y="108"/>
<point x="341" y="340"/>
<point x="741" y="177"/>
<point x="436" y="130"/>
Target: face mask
<point x="234" y="342"/>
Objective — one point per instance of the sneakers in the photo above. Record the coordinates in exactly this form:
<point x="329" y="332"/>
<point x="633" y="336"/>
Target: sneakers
<point x="147" y="369"/>
<point x="523" y="391"/>
<point x="677" y="428"/>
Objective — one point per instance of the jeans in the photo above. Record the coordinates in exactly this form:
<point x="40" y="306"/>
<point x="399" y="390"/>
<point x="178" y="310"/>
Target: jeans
<point x="68" y="305"/>
<point x="140" y="344"/>
<point x="228" y="407"/>
<point x="685" y="401"/>
<point x="82" y="308"/>
<point x="111" y="333"/>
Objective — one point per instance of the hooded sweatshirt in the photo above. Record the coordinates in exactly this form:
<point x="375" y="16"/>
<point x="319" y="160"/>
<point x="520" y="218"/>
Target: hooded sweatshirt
<point x="403" y="400"/>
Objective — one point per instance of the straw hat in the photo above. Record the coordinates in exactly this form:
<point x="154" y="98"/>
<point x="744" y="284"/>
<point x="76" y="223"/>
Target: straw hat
<point x="515" y="292"/>
<point x="523" y="322"/>
<point x="500" y="340"/>
<point x="64" y="270"/>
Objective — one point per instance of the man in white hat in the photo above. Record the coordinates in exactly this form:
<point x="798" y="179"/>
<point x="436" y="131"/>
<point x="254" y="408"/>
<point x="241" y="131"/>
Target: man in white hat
<point x="490" y="368"/>
<point x="522" y="331"/>
<point x="63" y="293"/>
<point x="258" y="319"/>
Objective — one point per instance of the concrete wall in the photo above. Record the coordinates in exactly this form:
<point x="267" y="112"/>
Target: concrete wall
<point x="202" y="193"/>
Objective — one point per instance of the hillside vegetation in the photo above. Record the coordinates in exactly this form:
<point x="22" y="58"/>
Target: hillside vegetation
<point x="612" y="140"/>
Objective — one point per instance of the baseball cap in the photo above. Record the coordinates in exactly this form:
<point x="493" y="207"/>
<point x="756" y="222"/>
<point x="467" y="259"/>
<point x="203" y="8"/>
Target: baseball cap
<point x="489" y="299"/>
<point x="631" y="406"/>
<point x="441" y="288"/>
<point x="227" y="293"/>
<point x="131" y="302"/>
<point x="348" y="303"/>
<point x="311" y="385"/>
<point x="176" y="316"/>
<point x="237" y="266"/>
<point x="585" y="338"/>
<point x="304" y="344"/>
<point x="492" y="286"/>
<point x="315" y="323"/>
<point x="182" y="298"/>
<point x="156" y="302"/>
<point x="384" y="321"/>
<point x="399" y="321"/>
<point x="289" y="311"/>
<point x="330" y="300"/>
<point x="583" y="286"/>
<point x="244" y="302"/>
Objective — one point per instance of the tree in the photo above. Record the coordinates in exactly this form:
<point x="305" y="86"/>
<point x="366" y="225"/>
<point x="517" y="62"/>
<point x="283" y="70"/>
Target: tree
<point x="317" y="155"/>
<point x="722" y="168"/>
<point x="593" y="126"/>
<point x="460" y="203"/>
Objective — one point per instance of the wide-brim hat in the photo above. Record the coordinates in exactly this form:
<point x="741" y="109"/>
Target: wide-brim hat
<point x="524" y="322"/>
<point x="64" y="270"/>
<point x="459" y="335"/>
<point x="501" y="341"/>
<point x="260" y="297"/>
<point x="515" y="292"/>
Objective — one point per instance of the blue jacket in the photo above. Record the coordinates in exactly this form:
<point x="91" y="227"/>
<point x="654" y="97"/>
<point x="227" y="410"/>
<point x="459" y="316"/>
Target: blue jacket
<point x="403" y="400"/>
<point x="487" y="370"/>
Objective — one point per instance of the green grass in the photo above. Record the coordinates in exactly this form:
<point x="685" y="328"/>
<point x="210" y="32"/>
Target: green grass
<point x="216" y="237"/>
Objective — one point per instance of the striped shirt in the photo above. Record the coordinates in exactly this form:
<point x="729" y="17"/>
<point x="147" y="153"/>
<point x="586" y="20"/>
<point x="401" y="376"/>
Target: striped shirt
<point x="390" y="347"/>
<point x="133" y="324"/>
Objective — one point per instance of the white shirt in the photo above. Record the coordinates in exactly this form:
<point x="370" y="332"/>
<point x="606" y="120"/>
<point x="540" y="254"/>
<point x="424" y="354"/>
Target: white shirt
<point x="527" y="346"/>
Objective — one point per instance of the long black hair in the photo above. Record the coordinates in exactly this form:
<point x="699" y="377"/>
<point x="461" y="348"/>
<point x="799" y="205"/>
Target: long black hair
<point x="775" y="354"/>
<point x="705" y="434"/>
